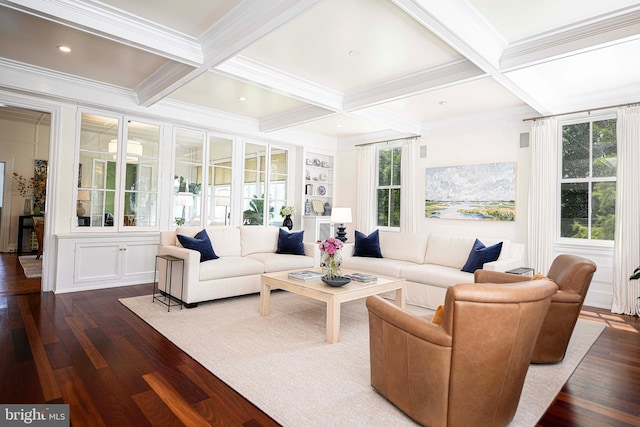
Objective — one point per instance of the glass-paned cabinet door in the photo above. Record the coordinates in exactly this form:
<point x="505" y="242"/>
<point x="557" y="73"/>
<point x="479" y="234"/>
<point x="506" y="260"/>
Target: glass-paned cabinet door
<point x="278" y="179"/>
<point x="188" y="177"/>
<point x="254" y="182"/>
<point x="141" y="175"/>
<point x="219" y="180"/>
<point x="97" y="171"/>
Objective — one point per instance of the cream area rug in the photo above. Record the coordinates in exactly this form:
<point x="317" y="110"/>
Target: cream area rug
<point x="282" y="363"/>
<point x="32" y="267"/>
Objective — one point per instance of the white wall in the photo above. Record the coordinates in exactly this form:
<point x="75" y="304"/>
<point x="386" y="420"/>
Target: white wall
<point x="456" y="144"/>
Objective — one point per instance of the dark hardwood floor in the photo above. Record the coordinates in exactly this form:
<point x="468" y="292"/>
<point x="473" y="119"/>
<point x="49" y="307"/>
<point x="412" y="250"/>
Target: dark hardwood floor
<point x="88" y="350"/>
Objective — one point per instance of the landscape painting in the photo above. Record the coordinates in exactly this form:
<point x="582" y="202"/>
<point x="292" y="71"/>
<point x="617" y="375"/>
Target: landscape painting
<point x="477" y="192"/>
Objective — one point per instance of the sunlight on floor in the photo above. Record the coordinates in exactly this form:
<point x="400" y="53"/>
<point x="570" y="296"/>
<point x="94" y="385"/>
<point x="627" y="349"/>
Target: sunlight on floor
<point x="615" y="321"/>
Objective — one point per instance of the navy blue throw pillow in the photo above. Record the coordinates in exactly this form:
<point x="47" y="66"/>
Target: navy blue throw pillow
<point x="480" y="254"/>
<point x="201" y="243"/>
<point x="367" y="245"/>
<point x="290" y="243"/>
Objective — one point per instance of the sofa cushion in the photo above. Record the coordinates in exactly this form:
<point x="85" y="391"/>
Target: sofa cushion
<point x="256" y="239"/>
<point x="449" y="251"/>
<point x="381" y="266"/>
<point x="231" y="266"/>
<point x="290" y="243"/>
<point x="403" y="246"/>
<point x="480" y="254"/>
<point x="201" y="243"/>
<point x="435" y="275"/>
<point x="367" y="246"/>
<point x="281" y="262"/>
<point x="226" y="240"/>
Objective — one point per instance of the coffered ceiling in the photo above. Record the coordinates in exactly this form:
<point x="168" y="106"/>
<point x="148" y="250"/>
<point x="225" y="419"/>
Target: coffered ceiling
<point x="345" y="69"/>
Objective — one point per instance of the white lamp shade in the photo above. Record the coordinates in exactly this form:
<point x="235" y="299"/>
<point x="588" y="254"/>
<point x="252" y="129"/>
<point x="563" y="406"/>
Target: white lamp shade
<point x="184" y="199"/>
<point x="341" y="215"/>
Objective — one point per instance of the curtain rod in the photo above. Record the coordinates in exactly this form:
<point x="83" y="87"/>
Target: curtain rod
<point x="387" y="141"/>
<point x="580" y="111"/>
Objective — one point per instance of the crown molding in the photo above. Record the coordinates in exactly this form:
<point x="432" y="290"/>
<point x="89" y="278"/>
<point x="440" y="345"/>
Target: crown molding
<point x="296" y="117"/>
<point x="461" y="27"/>
<point x="163" y="79"/>
<point x="617" y="27"/>
<point x="114" y="24"/>
<point x="457" y="72"/>
<point x="271" y="78"/>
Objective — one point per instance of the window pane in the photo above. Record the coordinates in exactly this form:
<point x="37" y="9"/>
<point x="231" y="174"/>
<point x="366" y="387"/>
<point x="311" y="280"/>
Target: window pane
<point x="395" y="207"/>
<point x="574" y="221"/>
<point x="187" y="191"/>
<point x="603" y="205"/>
<point x="384" y="167"/>
<point x="252" y="213"/>
<point x="397" y="156"/>
<point x="383" y="207"/>
<point x="575" y="151"/>
<point x="219" y="181"/>
<point x="604" y="148"/>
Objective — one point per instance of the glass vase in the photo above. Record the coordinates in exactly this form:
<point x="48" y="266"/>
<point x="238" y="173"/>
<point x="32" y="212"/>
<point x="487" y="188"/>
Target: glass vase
<point x="27" y="207"/>
<point x="330" y="264"/>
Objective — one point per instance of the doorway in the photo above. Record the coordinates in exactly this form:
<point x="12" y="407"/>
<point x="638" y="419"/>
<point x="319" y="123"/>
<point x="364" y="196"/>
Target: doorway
<point x="24" y="146"/>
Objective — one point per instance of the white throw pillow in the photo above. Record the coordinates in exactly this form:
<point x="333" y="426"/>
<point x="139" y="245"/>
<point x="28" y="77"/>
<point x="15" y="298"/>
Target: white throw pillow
<point x="225" y="241"/>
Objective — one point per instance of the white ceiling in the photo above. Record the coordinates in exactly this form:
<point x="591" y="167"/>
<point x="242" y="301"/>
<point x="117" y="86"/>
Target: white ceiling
<point x="346" y="69"/>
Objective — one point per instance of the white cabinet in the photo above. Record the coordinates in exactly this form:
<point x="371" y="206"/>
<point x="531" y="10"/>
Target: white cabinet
<point x="317" y="228"/>
<point x="103" y="261"/>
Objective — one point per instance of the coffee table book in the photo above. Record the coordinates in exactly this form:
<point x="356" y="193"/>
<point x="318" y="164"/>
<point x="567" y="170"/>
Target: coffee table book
<point x="305" y="275"/>
<point x="362" y="278"/>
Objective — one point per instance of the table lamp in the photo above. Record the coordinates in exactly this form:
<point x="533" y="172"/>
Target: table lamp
<point x="341" y="216"/>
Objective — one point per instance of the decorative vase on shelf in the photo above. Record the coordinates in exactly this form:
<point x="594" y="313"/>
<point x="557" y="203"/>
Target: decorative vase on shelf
<point x="288" y="222"/>
<point x="36" y="210"/>
<point x="27" y="207"/>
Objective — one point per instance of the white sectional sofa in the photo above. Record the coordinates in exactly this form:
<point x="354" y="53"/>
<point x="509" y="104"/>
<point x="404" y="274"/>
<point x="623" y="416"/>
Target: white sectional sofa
<point x="429" y="263"/>
<point x="244" y="254"/>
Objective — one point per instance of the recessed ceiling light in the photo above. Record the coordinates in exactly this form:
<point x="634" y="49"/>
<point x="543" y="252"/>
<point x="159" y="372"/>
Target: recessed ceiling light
<point x="242" y="98"/>
<point x="338" y="125"/>
<point x="64" y="49"/>
<point x="442" y="102"/>
<point x="354" y="53"/>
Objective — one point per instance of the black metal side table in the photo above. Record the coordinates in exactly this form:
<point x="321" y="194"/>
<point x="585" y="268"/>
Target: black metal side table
<point x="165" y="296"/>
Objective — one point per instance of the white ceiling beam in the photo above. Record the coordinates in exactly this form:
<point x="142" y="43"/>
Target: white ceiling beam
<point x="462" y="28"/>
<point x="294" y="118"/>
<point x="104" y="21"/>
<point x="414" y="84"/>
<point x="618" y="27"/>
<point x="270" y="78"/>
<point x="389" y="119"/>
<point x="246" y="23"/>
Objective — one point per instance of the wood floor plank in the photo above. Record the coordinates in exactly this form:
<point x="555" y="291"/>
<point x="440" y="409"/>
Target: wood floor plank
<point x="176" y="403"/>
<point x="82" y="408"/>
<point x="48" y="383"/>
<point x="92" y="353"/>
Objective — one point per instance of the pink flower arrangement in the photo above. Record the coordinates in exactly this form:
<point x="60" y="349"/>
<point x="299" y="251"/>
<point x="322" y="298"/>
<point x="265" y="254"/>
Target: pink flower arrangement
<point x="331" y="245"/>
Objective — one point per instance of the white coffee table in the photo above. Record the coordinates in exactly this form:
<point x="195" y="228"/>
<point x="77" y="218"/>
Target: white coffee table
<point x="320" y="291"/>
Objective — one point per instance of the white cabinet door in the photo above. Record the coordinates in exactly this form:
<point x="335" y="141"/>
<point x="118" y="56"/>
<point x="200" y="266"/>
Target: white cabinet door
<point x="97" y="261"/>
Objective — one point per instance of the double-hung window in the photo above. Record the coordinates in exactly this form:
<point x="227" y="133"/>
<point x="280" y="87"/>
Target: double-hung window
<point x="588" y="180"/>
<point x="388" y="186"/>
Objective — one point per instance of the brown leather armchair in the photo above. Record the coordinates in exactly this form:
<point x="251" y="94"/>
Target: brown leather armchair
<point x="573" y="276"/>
<point x="467" y="371"/>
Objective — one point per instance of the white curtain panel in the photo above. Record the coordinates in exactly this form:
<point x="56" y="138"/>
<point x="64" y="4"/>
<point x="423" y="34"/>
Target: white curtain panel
<point x="408" y="210"/>
<point x="626" y="249"/>
<point x="542" y="194"/>
<point x="366" y="182"/>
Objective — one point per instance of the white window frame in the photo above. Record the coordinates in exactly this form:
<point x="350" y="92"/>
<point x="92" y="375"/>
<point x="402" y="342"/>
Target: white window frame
<point x="377" y="187"/>
<point x="589" y="180"/>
